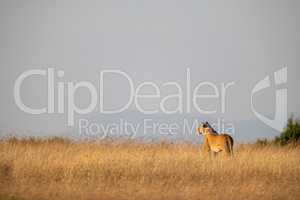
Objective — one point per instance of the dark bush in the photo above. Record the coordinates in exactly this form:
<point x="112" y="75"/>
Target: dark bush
<point x="290" y="134"/>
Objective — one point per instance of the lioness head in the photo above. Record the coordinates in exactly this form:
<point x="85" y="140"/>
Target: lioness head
<point x="202" y="128"/>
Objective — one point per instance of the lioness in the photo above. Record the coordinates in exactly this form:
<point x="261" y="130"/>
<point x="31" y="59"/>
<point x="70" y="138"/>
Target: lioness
<point x="214" y="142"/>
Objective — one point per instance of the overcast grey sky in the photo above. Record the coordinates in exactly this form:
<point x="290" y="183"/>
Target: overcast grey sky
<point x="220" y="41"/>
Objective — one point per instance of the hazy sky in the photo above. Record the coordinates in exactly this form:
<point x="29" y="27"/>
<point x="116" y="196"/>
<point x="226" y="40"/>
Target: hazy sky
<point x="220" y="41"/>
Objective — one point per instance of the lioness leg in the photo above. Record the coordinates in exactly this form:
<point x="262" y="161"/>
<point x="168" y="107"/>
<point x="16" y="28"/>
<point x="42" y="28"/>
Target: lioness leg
<point x="228" y="148"/>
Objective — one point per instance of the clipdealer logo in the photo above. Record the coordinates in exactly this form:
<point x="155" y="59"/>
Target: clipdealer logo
<point x="280" y="118"/>
<point x="185" y="93"/>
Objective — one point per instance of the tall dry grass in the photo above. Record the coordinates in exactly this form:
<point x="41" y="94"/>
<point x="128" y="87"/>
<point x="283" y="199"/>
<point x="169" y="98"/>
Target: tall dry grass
<point x="59" y="169"/>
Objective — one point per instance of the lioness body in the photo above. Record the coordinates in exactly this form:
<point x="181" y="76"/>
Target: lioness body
<point x="214" y="142"/>
<point x="217" y="143"/>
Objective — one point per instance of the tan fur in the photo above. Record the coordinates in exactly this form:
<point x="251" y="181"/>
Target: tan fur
<point x="213" y="142"/>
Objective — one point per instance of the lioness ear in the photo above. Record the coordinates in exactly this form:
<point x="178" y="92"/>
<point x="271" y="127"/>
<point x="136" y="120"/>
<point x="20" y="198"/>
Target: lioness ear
<point x="206" y="123"/>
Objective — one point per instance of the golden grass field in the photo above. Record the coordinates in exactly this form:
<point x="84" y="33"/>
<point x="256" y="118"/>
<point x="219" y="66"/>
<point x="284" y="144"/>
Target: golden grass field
<point x="58" y="169"/>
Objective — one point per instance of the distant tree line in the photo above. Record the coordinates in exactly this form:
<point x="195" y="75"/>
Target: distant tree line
<point x="290" y="135"/>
